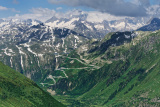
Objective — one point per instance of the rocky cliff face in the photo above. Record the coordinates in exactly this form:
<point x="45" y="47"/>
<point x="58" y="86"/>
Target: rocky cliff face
<point x="154" y="24"/>
<point x="33" y="50"/>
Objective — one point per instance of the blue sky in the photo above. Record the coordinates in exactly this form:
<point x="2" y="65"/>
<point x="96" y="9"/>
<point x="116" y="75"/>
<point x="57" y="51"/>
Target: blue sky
<point x="24" y="7"/>
<point x="114" y="7"/>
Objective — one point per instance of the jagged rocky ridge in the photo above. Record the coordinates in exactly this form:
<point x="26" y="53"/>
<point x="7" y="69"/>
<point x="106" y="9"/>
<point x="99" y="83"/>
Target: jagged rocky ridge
<point x="99" y="29"/>
<point x="33" y="50"/>
<point x="154" y="24"/>
<point x="89" y="24"/>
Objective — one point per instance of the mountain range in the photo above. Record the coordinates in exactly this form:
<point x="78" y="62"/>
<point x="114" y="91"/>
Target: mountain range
<point x="88" y="24"/>
<point x="69" y="59"/>
<point x="94" y="27"/>
<point x="31" y="49"/>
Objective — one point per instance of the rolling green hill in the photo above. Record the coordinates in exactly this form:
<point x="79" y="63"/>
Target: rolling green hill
<point x="18" y="91"/>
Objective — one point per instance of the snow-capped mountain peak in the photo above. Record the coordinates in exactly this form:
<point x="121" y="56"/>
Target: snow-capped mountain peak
<point x="95" y="24"/>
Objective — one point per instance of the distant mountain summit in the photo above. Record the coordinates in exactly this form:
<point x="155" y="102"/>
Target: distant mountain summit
<point x="94" y="25"/>
<point x="153" y="25"/>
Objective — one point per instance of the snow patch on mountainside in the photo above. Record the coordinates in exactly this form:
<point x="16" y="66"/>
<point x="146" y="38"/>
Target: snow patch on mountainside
<point x="119" y="26"/>
<point x="34" y="23"/>
<point x="63" y="24"/>
<point x="99" y="27"/>
<point x="8" y="52"/>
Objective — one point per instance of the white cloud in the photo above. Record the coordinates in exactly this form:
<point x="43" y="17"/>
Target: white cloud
<point x="3" y="8"/>
<point x="91" y="16"/>
<point x="137" y="2"/>
<point x="10" y="9"/>
<point x="96" y="16"/>
<point x="41" y="14"/>
<point x="59" y="8"/>
<point x="154" y="10"/>
<point x="44" y="11"/>
<point x="114" y="7"/>
<point x="14" y="10"/>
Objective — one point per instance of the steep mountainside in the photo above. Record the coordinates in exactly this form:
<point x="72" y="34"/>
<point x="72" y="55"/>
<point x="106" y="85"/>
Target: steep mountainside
<point x="33" y="50"/>
<point x="120" y="70"/>
<point x="153" y="25"/>
<point x="16" y="91"/>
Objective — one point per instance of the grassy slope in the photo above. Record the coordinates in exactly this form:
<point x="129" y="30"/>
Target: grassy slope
<point x="132" y="79"/>
<point x="18" y="91"/>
